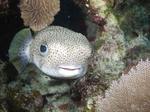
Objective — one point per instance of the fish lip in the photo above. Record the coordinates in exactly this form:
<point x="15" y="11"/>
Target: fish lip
<point x="69" y="69"/>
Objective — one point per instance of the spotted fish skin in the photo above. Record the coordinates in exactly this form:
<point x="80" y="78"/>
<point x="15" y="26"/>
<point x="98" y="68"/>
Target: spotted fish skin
<point x="56" y="51"/>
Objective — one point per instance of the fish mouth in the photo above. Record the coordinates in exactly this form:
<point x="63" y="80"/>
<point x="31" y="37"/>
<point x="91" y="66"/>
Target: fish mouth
<point x="69" y="71"/>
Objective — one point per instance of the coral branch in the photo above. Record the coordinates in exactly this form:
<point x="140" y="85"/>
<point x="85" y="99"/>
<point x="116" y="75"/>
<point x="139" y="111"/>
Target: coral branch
<point x="37" y="14"/>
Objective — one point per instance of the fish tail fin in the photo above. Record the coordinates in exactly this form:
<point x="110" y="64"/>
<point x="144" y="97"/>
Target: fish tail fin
<point x="19" y="49"/>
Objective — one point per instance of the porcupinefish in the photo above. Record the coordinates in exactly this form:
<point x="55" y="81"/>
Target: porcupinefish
<point x="56" y="51"/>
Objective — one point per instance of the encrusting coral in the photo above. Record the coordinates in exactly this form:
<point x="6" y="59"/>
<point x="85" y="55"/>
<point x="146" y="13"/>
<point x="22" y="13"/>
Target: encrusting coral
<point x="33" y="91"/>
<point x="124" y="25"/>
<point x="37" y="14"/>
<point x="130" y="93"/>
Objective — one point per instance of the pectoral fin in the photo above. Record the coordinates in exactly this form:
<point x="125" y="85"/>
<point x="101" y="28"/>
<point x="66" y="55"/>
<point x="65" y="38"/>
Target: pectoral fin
<point x="97" y="44"/>
<point x="19" y="49"/>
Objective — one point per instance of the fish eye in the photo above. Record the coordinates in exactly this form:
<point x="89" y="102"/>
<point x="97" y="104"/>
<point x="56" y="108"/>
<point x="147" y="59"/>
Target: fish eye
<point x="43" y="49"/>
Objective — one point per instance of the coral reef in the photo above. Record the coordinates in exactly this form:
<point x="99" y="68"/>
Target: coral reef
<point x="16" y="100"/>
<point x="124" y="24"/>
<point x="3" y="7"/>
<point x="37" y="14"/>
<point x="34" y="91"/>
<point x="125" y="27"/>
<point x="84" y="90"/>
<point x="130" y="92"/>
<point x="8" y="7"/>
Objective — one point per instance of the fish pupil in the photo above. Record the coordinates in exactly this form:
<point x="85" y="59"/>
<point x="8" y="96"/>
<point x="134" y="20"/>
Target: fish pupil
<point x="43" y="48"/>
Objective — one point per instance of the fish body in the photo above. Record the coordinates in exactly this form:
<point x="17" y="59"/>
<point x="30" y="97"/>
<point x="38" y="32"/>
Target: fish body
<point x="56" y="51"/>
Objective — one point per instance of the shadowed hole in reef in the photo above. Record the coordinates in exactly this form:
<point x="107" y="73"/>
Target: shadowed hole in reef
<point x="71" y="16"/>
